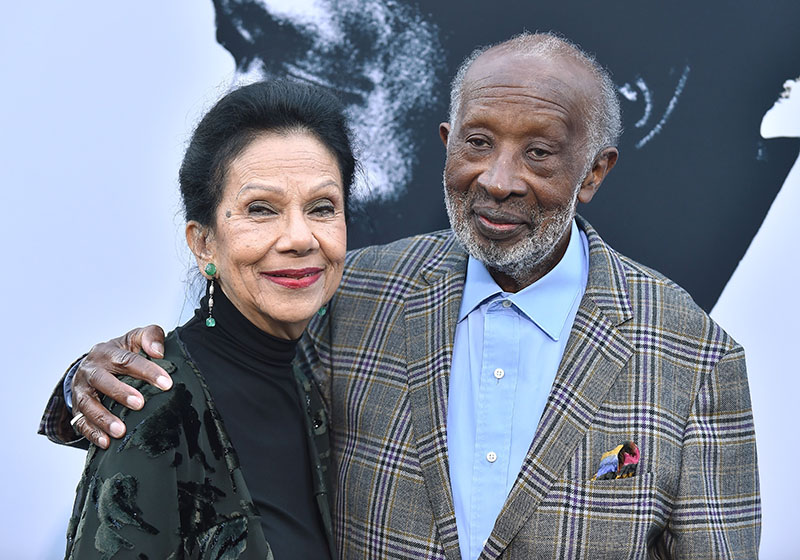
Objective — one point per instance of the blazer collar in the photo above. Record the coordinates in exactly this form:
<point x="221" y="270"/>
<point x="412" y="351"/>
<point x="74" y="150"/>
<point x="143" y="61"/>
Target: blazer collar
<point x="450" y="259"/>
<point x="607" y="286"/>
<point x="431" y="313"/>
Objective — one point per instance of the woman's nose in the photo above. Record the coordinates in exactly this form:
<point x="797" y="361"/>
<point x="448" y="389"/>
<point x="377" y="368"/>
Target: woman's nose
<point x="297" y="235"/>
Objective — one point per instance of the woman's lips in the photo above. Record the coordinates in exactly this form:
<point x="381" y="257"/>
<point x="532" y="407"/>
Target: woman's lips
<point x="294" y="278"/>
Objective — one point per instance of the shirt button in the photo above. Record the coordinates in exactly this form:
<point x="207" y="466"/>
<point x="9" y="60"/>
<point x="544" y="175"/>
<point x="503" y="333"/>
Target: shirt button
<point x="491" y="456"/>
<point x="499" y="373"/>
<point x="506" y="303"/>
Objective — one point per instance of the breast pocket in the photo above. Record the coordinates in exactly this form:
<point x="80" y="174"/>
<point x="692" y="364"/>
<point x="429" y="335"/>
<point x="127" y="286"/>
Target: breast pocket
<point x="602" y="518"/>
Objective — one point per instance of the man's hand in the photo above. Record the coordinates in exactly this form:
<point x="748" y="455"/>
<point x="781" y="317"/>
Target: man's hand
<point x="98" y="374"/>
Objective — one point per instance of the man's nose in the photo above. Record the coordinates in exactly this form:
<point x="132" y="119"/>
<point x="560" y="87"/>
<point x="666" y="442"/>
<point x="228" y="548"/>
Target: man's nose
<point x="297" y="235"/>
<point x="501" y="178"/>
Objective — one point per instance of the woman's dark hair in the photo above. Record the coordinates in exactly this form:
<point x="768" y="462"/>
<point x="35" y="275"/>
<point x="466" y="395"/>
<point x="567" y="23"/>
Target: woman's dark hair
<point x="276" y="106"/>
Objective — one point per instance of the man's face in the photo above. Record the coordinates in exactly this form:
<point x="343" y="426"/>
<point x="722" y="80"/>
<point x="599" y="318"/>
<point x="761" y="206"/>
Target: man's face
<point x="383" y="61"/>
<point x="516" y="162"/>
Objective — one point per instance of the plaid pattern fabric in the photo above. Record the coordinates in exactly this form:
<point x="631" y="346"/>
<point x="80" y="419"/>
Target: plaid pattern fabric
<point x="55" y="420"/>
<point x="642" y="363"/>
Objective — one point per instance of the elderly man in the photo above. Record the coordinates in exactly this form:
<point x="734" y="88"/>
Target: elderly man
<point x="478" y="376"/>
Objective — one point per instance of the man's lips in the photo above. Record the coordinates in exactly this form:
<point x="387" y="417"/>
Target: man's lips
<point x="496" y="224"/>
<point x="293" y="278"/>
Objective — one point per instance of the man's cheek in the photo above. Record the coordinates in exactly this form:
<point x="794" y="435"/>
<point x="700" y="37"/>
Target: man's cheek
<point x="457" y="177"/>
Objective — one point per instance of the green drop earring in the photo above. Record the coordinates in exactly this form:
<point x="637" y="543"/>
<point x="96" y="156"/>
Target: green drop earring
<point x="211" y="270"/>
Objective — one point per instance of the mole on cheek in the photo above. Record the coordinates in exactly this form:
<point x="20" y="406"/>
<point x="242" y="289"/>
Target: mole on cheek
<point x="227" y="213"/>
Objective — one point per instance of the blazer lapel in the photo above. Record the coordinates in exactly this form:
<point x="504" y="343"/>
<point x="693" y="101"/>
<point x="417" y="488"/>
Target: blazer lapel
<point x="431" y="314"/>
<point x="595" y="354"/>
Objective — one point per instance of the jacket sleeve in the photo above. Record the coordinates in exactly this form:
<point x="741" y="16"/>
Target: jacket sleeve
<point x="166" y="490"/>
<point x="55" y="419"/>
<point x="717" y="513"/>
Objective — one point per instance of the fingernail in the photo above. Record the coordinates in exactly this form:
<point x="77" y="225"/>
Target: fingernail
<point x="134" y="402"/>
<point x="102" y="441"/>
<point x="116" y="429"/>
<point x="158" y="348"/>
<point x="163" y="382"/>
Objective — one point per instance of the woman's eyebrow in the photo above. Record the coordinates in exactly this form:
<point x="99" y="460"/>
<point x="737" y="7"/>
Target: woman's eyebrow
<point x="278" y="190"/>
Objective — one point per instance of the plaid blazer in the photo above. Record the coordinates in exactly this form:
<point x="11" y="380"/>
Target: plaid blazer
<point x="642" y="363"/>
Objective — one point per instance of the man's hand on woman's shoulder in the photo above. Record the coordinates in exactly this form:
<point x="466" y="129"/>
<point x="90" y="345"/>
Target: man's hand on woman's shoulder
<point x="97" y="376"/>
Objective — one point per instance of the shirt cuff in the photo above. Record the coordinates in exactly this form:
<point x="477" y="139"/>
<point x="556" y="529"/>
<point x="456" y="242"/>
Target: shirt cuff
<point x="67" y="386"/>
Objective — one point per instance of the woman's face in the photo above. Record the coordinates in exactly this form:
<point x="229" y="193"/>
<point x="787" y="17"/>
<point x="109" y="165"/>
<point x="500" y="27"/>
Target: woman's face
<point x="279" y="237"/>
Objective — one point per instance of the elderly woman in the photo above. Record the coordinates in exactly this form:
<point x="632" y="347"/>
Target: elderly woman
<point x="230" y="462"/>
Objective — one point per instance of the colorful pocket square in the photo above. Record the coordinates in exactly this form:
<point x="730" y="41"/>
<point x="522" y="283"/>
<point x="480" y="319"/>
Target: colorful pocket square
<point x="620" y="462"/>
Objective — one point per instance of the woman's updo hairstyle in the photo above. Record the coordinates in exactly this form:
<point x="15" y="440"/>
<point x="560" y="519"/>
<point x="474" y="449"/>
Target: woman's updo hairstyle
<point x="275" y="106"/>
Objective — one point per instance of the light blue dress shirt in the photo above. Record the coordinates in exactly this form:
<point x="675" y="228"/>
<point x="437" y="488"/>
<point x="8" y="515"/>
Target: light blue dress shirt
<point x="507" y="351"/>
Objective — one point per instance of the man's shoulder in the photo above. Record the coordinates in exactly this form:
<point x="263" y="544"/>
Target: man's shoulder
<point x="405" y="256"/>
<point x="664" y="304"/>
<point x="639" y="272"/>
<point x="648" y="286"/>
<point x="628" y="288"/>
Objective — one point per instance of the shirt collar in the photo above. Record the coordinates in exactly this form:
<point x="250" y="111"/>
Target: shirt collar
<point x="548" y="301"/>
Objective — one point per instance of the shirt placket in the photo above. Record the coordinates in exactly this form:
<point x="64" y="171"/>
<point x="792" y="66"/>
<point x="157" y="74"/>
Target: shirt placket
<point x="495" y="413"/>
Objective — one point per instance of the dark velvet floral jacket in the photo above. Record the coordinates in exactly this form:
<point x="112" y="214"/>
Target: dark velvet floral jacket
<point x="172" y="487"/>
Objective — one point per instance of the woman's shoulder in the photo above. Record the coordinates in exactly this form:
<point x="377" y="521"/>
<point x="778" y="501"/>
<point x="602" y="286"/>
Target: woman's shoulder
<point x="169" y="418"/>
<point x="171" y="483"/>
<point x="176" y="362"/>
<point x="186" y="380"/>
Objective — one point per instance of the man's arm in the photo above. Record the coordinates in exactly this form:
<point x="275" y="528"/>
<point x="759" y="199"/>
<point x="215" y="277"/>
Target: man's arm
<point x="57" y="414"/>
<point x="97" y="375"/>
<point x="717" y="513"/>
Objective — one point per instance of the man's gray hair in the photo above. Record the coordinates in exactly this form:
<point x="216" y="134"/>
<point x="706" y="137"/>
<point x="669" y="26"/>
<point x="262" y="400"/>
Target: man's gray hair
<point x="604" y="124"/>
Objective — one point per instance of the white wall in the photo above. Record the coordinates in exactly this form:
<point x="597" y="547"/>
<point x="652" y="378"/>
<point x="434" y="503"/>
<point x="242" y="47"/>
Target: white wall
<point x="760" y="308"/>
<point x="97" y="101"/>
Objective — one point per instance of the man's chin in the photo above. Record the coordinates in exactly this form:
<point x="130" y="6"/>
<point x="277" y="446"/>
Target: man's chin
<point x="516" y="257"/>
<point x="498" y="244"/>
<point x="491" y="252"/>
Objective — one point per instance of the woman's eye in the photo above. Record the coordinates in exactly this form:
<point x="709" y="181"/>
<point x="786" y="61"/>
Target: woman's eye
<point x="323" y="209"/>
<point x="260" y="209"/>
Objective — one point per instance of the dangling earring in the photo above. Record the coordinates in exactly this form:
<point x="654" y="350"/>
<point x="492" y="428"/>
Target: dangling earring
<point x="211" y="270"/>
<point x="323" y="310"/>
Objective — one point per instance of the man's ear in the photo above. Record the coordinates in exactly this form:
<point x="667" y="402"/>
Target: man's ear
<point x="603" y="163"/>
<point x="199" y="238"/>
<point x="444" y="132"/>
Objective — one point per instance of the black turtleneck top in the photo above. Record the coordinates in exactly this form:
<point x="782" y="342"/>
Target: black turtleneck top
<point x="249" y="374"/>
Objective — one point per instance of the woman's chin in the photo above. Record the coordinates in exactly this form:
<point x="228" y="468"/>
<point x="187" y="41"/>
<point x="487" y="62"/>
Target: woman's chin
<point x="289" y="324"/>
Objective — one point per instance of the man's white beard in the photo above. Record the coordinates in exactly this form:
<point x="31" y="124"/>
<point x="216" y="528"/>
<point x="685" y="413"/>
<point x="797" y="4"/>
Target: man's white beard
<point x="518" y="261"/>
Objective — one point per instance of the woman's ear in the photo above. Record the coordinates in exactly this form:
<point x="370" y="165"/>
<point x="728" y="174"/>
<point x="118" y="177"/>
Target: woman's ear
<point x="200" y="240"/>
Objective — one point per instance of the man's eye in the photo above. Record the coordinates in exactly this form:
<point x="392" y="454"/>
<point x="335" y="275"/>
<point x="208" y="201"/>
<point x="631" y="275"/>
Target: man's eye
<point x="477" y="142"/>
<point x="538" y="153"/>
